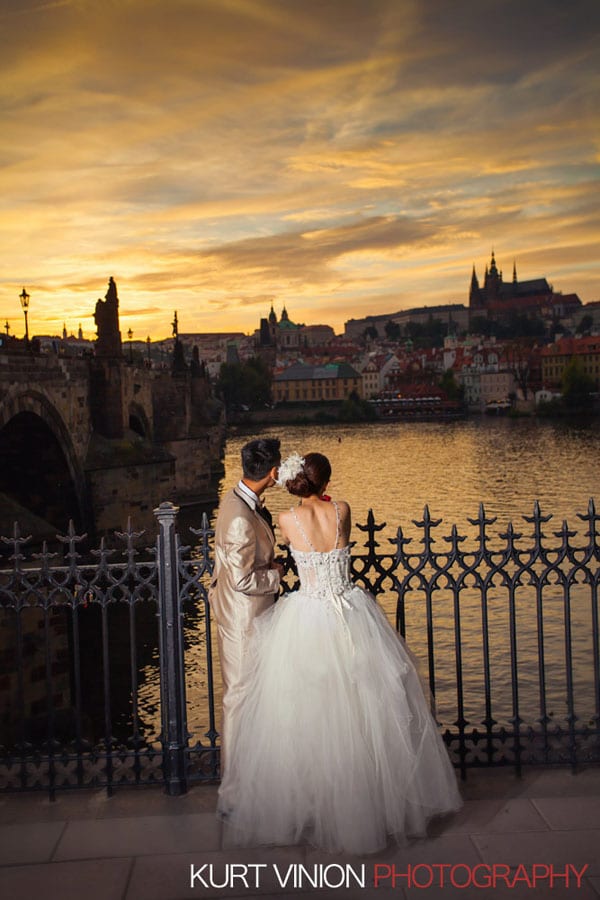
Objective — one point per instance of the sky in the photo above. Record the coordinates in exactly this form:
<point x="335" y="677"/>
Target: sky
<point x="337" y="157"/>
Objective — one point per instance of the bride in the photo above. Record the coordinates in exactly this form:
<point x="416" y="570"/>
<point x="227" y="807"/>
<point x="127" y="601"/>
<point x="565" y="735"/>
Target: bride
<point x="335" y="745"/>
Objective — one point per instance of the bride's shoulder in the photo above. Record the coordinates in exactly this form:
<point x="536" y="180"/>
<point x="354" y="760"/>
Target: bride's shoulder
<point x="285" y="515"/>
<point x="343" y="507"/>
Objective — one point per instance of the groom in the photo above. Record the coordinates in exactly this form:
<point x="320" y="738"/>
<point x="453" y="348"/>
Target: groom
<point x="246" y="578"/>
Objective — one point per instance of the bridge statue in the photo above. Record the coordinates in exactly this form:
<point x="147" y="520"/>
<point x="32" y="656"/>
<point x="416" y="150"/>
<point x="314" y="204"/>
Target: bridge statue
<point x="106" y="317"/>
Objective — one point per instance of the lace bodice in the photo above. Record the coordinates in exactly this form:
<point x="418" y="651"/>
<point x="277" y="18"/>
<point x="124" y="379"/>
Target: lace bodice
<point x="324" y="574"/>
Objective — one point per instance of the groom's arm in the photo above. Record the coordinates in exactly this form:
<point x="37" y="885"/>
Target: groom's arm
<point x="248" y="575"/>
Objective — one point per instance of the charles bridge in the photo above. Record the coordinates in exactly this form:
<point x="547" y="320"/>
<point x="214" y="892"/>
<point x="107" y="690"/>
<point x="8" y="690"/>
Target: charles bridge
<point x="100" y="439"/>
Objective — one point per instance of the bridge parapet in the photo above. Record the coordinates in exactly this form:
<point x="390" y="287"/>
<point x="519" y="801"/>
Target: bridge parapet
<point x="129" y="435"/>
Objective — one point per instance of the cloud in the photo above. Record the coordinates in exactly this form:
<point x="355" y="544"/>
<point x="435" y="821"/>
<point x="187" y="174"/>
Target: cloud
<point x="224" y="153"/>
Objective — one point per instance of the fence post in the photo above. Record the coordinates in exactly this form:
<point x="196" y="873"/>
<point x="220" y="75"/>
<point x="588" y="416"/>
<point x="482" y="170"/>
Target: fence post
<point x="174" y="735"/>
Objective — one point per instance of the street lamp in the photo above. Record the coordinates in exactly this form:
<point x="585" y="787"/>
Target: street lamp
<point x="24" y="298"/>
<point x="130" y="336"/>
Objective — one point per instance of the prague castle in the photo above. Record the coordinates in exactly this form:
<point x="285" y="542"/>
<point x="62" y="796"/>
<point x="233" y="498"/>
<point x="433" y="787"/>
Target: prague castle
<point x="495" y="299"/>
<point x="499" y="299"/>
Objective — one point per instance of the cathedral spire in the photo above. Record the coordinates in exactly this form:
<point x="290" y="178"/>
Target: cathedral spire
<point x="474" y="293"/>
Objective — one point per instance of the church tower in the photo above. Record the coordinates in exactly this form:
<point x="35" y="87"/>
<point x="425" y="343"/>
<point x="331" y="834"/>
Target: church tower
<point x="493" y="280"/>
<point x="273" y="325"/>
<point x="474" y="292"/>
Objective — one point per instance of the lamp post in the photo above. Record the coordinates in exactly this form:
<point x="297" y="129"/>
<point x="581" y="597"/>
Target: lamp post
<point x="24" y="298"/>
<point x="148" y="349"/>
<point x="130" y="336"/>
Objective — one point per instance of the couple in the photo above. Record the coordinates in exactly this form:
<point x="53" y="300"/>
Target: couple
<point x="327" y="733"/>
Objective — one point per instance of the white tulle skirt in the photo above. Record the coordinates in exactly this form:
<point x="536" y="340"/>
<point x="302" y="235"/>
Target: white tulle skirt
<point x="336" y="745"/>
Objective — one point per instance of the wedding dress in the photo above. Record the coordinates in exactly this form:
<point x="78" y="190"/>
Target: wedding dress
<point x="336" y="745"/>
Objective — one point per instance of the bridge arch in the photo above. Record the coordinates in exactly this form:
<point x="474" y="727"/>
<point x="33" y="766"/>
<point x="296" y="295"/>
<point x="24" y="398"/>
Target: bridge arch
<point x="39" y="465"/>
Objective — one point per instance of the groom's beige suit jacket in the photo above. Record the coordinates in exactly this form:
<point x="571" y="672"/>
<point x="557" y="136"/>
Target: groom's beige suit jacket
<point x="243" y="586"/>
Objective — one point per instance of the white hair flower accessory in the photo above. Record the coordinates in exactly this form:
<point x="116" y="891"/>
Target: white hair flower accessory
<point x="289" y="468"/>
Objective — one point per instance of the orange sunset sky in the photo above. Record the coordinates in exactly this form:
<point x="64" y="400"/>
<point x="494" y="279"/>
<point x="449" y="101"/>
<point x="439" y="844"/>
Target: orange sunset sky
<point x="341" y="157"/>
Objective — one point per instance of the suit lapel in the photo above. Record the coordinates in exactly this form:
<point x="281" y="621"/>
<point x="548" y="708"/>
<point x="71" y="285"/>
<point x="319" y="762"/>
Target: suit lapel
<point x="245" y="498"/>
<point x="248" y="501"/>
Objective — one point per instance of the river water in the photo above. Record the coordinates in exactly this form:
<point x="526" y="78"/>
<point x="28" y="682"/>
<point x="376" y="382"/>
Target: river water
<point x="395" y="469"/>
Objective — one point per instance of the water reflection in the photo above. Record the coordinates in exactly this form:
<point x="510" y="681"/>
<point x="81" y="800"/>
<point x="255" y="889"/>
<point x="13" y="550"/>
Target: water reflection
<point x="396" y="468"/>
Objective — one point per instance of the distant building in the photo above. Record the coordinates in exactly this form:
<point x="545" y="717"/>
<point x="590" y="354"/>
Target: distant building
<point x="308" y="384"/>
<point x="354" y="329"/>
<point x="478" y="375"/>
<point x="593" y="311"/>
<point x="556" y="357"/>
<point x="497" y="387"/>
<point x="454" y="315"/>
<point x="210" y="338"/>
<point x="371" y="378"/>
<point x="278" y="334"/>
<point x="317" y="335"/>
<point x="500" y="300"/>
<point x="214" y="348"/>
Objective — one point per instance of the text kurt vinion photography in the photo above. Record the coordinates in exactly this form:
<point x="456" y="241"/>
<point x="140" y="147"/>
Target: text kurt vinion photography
<point x="537" y="876"/>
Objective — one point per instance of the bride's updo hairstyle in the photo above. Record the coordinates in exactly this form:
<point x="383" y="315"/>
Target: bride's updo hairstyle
<point x="312" y="477"/>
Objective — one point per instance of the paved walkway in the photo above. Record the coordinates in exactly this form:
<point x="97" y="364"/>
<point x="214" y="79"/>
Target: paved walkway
<point x="141" y="845"/>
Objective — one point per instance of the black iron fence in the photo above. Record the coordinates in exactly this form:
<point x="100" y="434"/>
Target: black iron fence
<point x="107" y="674"/>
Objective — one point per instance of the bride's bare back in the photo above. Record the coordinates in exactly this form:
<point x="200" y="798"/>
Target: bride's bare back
<point x="316" y="520"/>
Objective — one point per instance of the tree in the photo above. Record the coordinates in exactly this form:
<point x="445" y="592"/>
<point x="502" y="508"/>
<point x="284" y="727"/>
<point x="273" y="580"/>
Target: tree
<point x="577" y="386"/>
<point x="519" y="358"/>
<point x="393" y="331"/>
<point x="355" y="409"/>
<point x="245" y="384"/>
<point x="448" y="384"/>
<point x="586" y="324"/>
<point x="426" y="334"/>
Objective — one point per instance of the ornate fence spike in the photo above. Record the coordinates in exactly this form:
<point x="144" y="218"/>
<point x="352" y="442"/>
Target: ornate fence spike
<point x="427" y="524"/>
<point x="45" y="556"/>
<point x="565" y="533"/>
<point x="204" y="549"/>
<point x="401" y="542"/>
<point x="537" y="518"/>
<point x="103" y="553"/>
<point x="371" y="528"/>
<point x="481" y="519"/>
<point x="455" y="539"/>
<point x="511" y="537"/>
<point x="129" y="536"/>
<point x="592" y="518"/>
<point x="71" y="538"/>
<point x="17" y="543"/>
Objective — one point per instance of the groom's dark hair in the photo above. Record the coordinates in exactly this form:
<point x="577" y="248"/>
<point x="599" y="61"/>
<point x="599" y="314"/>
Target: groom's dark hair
<point x="259" y="457"/>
